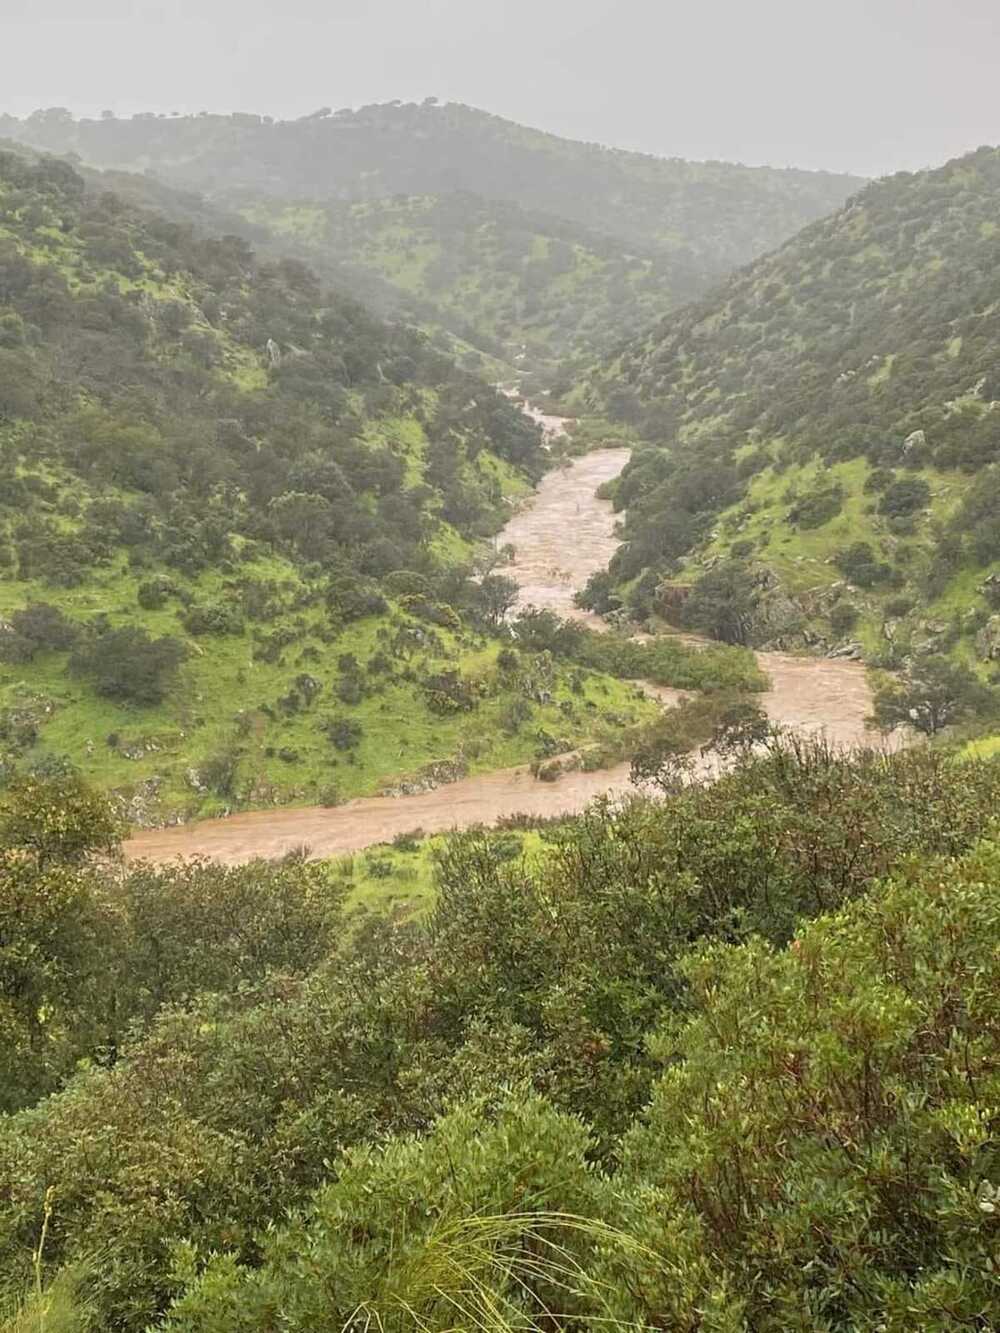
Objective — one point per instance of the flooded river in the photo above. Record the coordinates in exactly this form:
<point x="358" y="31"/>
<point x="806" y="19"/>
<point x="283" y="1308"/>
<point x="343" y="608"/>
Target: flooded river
<point x="563" y="536"/>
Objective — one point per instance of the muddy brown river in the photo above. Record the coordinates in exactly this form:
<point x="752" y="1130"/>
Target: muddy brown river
<point x="562" y="537"/>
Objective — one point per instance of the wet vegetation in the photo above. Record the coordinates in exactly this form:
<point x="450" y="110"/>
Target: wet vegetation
<point x="721" y="1057"/>
<point x="239" y="520"/>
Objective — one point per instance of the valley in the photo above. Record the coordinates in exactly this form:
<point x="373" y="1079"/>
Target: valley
<point x="499" y="684"/>
<point x="563" y="534"/>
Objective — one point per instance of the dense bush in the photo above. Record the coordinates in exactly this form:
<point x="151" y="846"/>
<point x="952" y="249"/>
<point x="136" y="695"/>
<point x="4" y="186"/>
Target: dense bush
<point x="843" y="617"/>
<point x="213" y="618"/>
<point x="905" y="497"/>
<point x="860" y="565"/>
<point x="812" y="511"/>
<point x="722" y="603"/>
<point x="128" y="665"/>
<point x="547" y="979"/>
<point x="343" y="733"/>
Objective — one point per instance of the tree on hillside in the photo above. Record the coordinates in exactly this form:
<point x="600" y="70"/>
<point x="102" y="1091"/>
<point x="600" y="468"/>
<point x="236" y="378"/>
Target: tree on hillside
<point x="934" y="695"/>
<point x="722" y="603"/>
<point x="127" y="665"/>
<point x="495" y="595"/>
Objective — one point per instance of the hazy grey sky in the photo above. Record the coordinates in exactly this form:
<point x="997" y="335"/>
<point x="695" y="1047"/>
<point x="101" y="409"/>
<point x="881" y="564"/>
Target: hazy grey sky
<point x="857" y="85"/>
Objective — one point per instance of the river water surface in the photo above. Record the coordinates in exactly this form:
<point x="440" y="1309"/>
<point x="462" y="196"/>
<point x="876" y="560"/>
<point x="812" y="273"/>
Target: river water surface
<point x="560" y="538"/>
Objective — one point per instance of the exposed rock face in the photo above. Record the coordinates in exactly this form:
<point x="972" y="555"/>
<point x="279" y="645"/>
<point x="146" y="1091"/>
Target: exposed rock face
<point x="851" y="652"/>
<point x="988" y="640"/>
<point x="429" y="778"/>
<point x="776" y="617"/>
<point x="140" y="805"/>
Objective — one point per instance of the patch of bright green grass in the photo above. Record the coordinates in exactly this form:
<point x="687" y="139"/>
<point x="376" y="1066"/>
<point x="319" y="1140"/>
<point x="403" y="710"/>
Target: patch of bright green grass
<point x="988" y="747"/>
<point x="228" y="701"/>
<point x="399" y="877"/>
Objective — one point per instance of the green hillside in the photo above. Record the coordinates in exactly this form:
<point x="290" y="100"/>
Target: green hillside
<point x="238" y="518"/>
<point x="828" y="418"/>
<point x="525" y="288"/>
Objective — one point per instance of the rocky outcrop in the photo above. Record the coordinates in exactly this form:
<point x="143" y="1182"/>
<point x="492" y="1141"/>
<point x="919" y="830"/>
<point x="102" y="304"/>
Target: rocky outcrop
<point x="777" y="617"/>
<point x="988" y="640"/>
<point x="429" y="778"/>
<point x="849" y="652"/>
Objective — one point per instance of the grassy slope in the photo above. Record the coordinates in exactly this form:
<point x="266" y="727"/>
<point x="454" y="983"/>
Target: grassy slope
<point x="803" y="557"/>
<point x="217" y="707"/>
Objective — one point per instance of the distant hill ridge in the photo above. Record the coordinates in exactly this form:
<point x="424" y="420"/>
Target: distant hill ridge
<point x="645" y="233"/>
<point x="237" y="519"/>
<point x="727" y="213"/>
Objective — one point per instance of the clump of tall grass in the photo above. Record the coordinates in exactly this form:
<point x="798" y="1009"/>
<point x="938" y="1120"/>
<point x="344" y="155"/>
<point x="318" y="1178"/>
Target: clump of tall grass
<point x="509" y="1273"/>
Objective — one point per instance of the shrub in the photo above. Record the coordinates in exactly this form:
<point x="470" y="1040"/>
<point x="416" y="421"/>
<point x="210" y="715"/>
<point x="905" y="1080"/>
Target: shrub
<point x="213" y="618"/>
<point x="343" y="733"/>
<point x="860" y="565"/>
<point x="220" y="772"/>
<point x="350" y="691"/>
<point x="879" y="479"/>
<point x="152" y="594"/>
<point x="812" y="511"/>
<point x="349" y="598"/>
<point x="128" y="665"/>
<point x="843" y="617"/>
<point x="905" y="497"/>
<point x="46" y="627"/>
<point x="15" y="649"/>
<point x="722" y="603"/>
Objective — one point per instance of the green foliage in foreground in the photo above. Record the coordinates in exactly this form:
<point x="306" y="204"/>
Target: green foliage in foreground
<point x="623" y="1080"/>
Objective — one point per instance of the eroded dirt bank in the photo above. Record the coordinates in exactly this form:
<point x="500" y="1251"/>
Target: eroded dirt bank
<point x="563" y="537"/>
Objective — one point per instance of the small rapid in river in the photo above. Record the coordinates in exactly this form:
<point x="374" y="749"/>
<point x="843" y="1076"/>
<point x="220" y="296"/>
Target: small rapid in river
<point x="565" y="534"/>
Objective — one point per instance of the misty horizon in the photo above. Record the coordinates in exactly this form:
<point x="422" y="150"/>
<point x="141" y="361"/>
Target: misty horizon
<point x="847" y="91"/>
